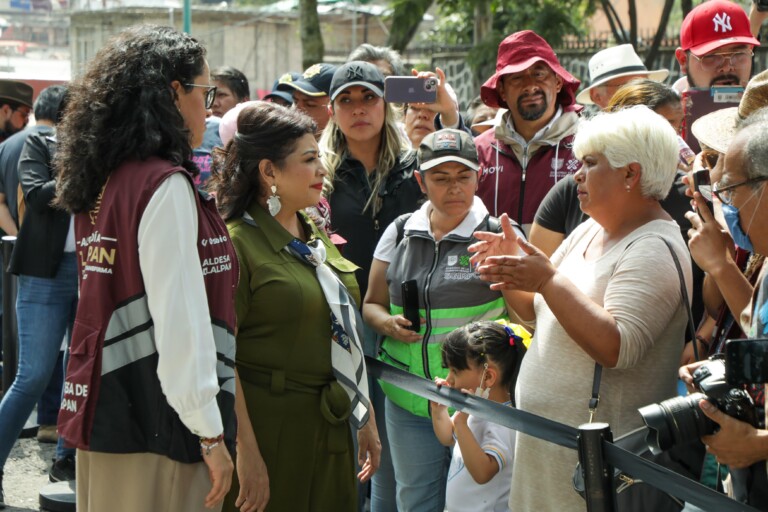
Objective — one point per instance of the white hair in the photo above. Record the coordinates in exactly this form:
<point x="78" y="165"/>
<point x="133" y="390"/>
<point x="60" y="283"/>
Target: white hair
<point x="633" y="135"/>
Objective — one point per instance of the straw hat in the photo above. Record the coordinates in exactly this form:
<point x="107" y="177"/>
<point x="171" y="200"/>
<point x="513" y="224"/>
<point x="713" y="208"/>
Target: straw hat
<point x="615" y="62"/>
<point x="717" y="129"/>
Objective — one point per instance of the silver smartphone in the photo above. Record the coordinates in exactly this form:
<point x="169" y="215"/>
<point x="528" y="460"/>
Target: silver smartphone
<point x="410" y="89"/>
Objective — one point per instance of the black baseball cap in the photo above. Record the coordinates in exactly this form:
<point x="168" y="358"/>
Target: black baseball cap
<point x="357" y="72"/>
<point x="447" y="145"/>
<point x="314" y="81"/>
<point x="291" y="76"/>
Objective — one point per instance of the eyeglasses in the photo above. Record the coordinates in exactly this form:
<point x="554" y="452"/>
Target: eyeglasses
<point x="210" y="93"/>
<point x="716" y="60"/>
<point x="725" y="194"/>
<point x="25" y="113"/>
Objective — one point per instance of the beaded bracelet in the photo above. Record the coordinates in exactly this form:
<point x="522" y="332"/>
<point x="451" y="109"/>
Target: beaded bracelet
<point x="209" y="443"/>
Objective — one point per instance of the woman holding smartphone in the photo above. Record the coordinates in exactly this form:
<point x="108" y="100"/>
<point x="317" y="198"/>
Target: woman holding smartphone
<point x="427" y="253"/>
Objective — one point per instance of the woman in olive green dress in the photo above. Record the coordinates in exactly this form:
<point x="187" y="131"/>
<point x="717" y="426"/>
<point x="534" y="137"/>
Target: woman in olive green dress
<point x="298" y="333"/>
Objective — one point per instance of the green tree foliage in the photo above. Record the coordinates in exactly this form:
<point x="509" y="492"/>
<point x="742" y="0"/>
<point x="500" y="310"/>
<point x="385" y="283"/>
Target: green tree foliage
<point x="484" y="23"/>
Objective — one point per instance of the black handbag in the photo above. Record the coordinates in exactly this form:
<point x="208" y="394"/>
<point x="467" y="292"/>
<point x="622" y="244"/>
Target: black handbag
<point x="632" y="494"/>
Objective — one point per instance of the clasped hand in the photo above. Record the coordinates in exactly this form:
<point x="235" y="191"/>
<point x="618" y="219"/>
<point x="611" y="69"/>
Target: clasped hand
<point x="509" y="262"/>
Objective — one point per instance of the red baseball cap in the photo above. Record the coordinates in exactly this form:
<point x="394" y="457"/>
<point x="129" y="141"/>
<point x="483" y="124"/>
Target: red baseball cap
<point x="518" y="52"/>
<point x="714" y="24"/>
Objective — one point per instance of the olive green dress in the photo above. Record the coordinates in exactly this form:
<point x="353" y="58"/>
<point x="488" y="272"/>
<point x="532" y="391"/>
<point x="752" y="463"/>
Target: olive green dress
<point x="297" y="408"/>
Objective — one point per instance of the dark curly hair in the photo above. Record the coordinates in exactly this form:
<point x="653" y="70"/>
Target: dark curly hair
<point x="264" y="131"/>
<point x="123" y="108"/>
<point x="480" y="342"/>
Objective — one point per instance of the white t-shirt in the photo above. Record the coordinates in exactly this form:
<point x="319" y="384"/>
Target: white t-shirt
<point x="462" y="492"/>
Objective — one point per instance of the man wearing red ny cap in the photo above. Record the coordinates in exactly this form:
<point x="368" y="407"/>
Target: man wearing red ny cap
<point x="716" y="44"/>
<point x="531" y="148"/>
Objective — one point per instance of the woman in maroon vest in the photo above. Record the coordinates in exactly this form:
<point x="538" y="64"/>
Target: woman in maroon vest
<point x="149" y="393"/>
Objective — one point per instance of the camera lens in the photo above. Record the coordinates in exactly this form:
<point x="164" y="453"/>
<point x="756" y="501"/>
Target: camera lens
<point x="676" y="421"/>
<point x="430" y="84"/>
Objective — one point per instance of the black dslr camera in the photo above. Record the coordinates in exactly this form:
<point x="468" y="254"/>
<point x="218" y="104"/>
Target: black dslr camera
<point x="679" y="420"/>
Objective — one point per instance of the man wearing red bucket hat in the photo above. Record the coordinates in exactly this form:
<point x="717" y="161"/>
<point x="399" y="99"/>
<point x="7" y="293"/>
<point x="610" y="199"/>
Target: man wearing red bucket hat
<point x="531" y="148"/>
<point x="716" y="44"/>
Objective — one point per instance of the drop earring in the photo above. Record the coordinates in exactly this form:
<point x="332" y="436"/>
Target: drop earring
<point x="273" y="202"/>
<point x="482" y="392"/>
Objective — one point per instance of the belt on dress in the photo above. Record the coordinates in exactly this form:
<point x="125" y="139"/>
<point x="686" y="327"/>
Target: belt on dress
<point x="335" y="405"/>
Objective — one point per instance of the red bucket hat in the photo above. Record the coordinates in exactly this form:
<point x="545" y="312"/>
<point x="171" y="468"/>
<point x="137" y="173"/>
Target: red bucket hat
<point x="519" y="52"/>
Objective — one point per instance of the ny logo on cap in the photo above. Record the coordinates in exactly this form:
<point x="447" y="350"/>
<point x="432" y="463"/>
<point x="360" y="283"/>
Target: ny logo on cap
<point x="355" y="72"/>
<point x="722" y="22"/>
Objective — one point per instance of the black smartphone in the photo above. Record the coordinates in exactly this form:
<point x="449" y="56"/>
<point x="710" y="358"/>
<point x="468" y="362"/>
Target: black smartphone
<point x="702" y="185"/>
<point x="746" y="361"/>
<point x="410" y="89"/>
<point x="762" y="5"/>
<point x="410" y="292"/>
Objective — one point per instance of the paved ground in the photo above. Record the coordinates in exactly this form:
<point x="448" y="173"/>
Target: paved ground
<point x="26" y="472"/>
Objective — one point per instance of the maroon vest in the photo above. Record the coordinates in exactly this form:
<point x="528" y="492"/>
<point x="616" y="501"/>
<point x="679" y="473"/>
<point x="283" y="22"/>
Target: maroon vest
<point x="112" y="398"/>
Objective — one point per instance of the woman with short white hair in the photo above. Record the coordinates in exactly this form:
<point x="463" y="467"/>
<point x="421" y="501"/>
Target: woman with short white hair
<point x="610" y="295"/>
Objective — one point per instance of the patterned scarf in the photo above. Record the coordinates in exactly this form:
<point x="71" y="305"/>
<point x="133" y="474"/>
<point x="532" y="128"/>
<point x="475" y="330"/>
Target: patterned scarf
<point x="346" y="329"/>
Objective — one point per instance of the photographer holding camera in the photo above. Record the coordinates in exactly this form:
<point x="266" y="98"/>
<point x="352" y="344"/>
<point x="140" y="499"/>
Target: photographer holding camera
<point x="741" y="190"/>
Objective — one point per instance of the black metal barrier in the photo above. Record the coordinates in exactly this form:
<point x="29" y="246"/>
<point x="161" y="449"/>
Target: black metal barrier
<point x="10" y="336"/>
<point x="660" y="477"/>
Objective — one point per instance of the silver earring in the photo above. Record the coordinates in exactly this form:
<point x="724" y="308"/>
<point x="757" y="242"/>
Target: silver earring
<point x="273" y="202"/>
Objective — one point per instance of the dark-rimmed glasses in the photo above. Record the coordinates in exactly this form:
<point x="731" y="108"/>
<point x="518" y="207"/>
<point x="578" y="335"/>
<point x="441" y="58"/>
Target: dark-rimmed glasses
<point x="724" y="194"/>
<point x="210" y="93"/>
<point x="716" y="60"/>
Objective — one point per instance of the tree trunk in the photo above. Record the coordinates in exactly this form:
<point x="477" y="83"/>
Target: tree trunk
<point x="653" y="52"/>
<point x="632" y="23"/>
<point x="686" y="6"/>
<point x="613" y="20"/>
<point x="483" y="21"/>
<point x="312" y="47"/>
<point x="406" y="18"/>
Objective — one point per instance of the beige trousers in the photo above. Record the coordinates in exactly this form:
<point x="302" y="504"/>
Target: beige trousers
<point x="139" y="482"/>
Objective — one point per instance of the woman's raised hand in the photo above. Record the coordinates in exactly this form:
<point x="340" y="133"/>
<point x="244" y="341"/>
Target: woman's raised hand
<point x="495" y="244"/>
<point x="529" y="272"/>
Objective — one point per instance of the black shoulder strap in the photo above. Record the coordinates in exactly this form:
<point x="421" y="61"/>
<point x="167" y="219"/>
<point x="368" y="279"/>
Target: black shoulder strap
<point x="400" y="225"/>
<point x="494" y="224"/>
<point x="595" y="399"/>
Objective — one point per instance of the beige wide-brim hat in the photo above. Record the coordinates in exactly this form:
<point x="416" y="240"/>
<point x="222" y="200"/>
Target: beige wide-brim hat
<point x="616" y="62"/>
<point x="717" y="129"/>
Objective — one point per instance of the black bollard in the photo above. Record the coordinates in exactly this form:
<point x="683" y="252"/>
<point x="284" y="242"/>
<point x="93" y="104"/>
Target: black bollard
<point x="10" y="343"/>
<point x="598" y="474"/>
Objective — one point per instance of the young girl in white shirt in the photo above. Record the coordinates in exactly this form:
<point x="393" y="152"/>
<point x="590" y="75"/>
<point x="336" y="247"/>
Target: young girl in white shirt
<point x="483" y="359"/>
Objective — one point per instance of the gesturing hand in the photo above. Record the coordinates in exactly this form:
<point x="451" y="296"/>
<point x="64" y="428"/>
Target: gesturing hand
<point x="528" y="273"/>
<point x="495" y="244"/>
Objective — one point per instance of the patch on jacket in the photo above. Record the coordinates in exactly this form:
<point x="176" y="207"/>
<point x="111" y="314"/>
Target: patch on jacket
<point x="458" y="268"/>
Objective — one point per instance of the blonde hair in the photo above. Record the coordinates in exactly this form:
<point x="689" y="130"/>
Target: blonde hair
<point x="333" y="149"/>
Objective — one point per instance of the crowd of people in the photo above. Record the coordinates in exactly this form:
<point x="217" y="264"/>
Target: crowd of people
<point x="201" y="276"/>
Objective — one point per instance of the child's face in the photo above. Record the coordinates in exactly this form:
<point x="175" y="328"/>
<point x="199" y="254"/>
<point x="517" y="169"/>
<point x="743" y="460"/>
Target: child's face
<point x="468" y="379"/>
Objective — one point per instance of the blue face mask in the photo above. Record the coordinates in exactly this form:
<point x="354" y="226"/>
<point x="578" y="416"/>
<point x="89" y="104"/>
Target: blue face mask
<point x="731" y="214"/>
